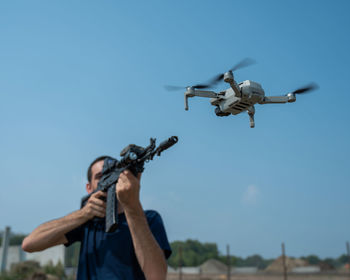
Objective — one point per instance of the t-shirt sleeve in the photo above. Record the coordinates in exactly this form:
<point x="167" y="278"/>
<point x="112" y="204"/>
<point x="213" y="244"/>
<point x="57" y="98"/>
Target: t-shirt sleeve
<point x="74" y="235"/>
<point x="158" y="230"/>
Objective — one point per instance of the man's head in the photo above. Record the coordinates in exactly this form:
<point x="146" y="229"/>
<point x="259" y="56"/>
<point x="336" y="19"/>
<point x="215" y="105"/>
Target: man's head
<point x="94" y="173"/>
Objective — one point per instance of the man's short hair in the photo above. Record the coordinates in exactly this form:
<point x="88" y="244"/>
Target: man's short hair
<point x="89" y="172"/>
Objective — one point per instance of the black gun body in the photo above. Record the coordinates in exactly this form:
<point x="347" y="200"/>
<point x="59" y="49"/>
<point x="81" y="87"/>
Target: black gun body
<point x="108" y="184"/>
<point x="133" y="159"/>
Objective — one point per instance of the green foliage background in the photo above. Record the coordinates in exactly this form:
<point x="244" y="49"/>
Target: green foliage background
<point x="195" y="253"/>
<point x="25" y="270"/>
<point x="15" y="239"/>
<point x="337" y="262"/>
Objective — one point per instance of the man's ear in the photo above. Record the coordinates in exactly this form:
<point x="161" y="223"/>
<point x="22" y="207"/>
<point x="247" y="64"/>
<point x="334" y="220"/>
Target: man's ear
<point x="88" y="188"/>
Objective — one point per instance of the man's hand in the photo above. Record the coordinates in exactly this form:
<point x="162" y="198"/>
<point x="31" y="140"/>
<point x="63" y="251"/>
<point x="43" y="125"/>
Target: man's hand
<point x="95" y="207"/>
<point x="128" y="189"/>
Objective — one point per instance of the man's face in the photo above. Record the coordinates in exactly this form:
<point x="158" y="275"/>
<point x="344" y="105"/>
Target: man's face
<point x="96" y="171"/>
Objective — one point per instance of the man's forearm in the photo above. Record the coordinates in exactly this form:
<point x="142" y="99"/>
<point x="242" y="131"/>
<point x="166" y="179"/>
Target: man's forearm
<point x="149" y="255"/>
<point x="52" y="233"/>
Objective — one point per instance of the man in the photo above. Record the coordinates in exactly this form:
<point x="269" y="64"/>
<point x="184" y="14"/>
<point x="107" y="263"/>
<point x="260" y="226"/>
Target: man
<point x="136" y="250"/>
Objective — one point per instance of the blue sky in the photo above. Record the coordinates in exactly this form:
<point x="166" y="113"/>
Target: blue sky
<point x="85" y="78"/>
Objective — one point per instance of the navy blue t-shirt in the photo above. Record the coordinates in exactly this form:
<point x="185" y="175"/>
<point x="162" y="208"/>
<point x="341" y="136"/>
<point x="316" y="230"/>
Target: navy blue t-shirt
<point x="105" y="256"/>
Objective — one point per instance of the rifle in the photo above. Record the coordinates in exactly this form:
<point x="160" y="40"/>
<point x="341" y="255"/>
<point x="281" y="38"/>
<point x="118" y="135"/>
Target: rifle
<point x="133" y="158"/>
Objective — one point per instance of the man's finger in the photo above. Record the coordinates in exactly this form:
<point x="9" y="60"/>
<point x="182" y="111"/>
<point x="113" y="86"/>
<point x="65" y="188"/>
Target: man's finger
<point x="98" y="209"/>
<point x="122" y="177"/>
<point x="99" y="194"/>
<point x="127" y="174"/>
<point x="98" y="201"/>
<point x="100" y="214"/>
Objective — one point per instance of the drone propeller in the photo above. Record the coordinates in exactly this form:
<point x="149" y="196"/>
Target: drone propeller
<point x="199" y="86"/>
<point x="306" y="89"/>
<point x="243" y="63"/>
<point x="173" y="88"/>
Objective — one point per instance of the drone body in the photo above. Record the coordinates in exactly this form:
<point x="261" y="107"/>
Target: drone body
<point x="239" y="97"/>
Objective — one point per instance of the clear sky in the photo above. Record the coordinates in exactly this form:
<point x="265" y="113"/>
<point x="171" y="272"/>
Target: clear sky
<point x="83" y="78"/>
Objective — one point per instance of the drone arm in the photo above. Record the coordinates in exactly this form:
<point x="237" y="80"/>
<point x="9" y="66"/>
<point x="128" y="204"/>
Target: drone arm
<point x="204" y="93"/>
<point x="235" y="88"/>
<point x="228" y="78"/>
<point x="201" y="93"/>
<point x="278" y="99"/>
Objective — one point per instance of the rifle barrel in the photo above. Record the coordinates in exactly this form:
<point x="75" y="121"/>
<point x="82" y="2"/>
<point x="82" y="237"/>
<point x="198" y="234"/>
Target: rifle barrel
<point x="166" y="144"/>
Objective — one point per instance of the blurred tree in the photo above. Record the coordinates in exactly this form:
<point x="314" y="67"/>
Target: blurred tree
<point x="194" y="253"/>
<point x="24" y="270"/>
<point x="343" y="259"/>
<point x="254" y="260"/>
<point x="329" y="261"/>
<point x="312" y="259"/>
<point x="72" y="255"/>
<point x="15" y="239"/>
<point x="57" y="270"/>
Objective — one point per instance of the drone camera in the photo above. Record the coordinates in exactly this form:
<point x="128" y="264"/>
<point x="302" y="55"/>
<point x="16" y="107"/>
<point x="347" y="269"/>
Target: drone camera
<point x="220" y="113"/>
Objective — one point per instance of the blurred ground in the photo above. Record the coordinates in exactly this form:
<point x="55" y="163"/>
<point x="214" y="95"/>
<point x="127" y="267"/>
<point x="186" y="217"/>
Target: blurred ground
<point x="319" y="276"/>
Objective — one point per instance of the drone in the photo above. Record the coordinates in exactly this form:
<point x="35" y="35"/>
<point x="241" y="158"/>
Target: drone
<point x="239" y="97"/>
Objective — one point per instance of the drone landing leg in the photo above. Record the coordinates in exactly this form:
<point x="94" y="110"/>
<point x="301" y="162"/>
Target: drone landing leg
<point x="251" y="112"/>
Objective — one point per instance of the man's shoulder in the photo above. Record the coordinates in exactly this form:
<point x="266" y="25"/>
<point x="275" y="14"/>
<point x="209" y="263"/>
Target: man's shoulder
<point x="153" y="216"/>
<point x="151" y="213"/>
